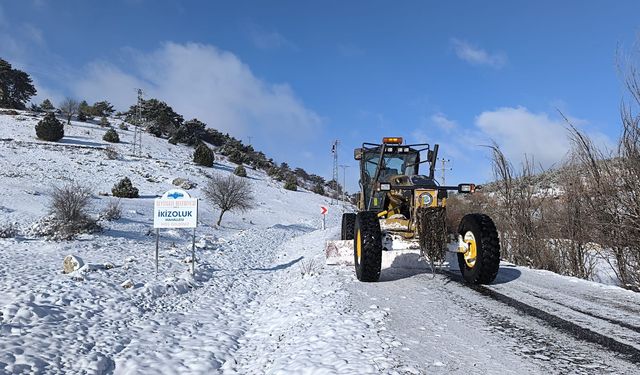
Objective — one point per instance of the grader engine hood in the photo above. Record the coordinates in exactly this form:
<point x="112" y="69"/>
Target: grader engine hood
<point x="418" y="187"/>
<point x="406" y="192"/>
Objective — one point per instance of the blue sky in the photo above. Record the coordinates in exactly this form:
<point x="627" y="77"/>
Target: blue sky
<point x="295" y="75"/>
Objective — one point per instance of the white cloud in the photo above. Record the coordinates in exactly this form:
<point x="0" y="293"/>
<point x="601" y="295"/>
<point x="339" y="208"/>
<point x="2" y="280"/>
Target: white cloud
<point x="477" y="56"/>
<point x="43" y="93"/>
<point x="439" y="129"/>
<point x="264" y="39"/>
<point x="441" y="121"/>
<point x="205" y="82"/>
<point x="518" y="132"/>
<point x="103" y="81"/>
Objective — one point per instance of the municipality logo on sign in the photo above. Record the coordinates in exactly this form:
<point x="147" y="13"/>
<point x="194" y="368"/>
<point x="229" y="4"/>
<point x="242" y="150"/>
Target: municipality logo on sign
<point x="175" y="195"/>
<point x="176" y="209"/>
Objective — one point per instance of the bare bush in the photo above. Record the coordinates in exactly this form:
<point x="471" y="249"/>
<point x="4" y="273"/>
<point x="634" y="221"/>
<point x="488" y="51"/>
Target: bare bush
<point x="229" y="193"/>
<point x="615" y="204"/>
<point x="69" y="210"/>
<point x="69" y="108"/>
<point x="111" y="152"/>
<point x="520" y="212"/>
<point x="70" y="202"/>
<point x="8" y="230"/>
<point x="113" y="211"/>
<point x="574" y="223"/>
<point x="459" y="205"/>
<point x="309" y="268"/>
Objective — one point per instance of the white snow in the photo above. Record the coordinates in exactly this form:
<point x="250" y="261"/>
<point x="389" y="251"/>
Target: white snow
<point x="262" y="301"/>
<point x="249" y="308"/>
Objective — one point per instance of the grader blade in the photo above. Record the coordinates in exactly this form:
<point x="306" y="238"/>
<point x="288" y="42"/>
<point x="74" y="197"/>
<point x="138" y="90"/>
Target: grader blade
<point x="339" y="253"/>
<point x="397" y="254"/>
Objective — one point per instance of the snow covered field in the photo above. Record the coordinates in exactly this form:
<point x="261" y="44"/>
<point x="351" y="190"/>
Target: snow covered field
<point x="248" y="283"/>
<point x="262" y="300"/>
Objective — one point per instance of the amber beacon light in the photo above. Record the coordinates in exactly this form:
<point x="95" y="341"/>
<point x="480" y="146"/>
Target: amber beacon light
<point x="392" y="140"/>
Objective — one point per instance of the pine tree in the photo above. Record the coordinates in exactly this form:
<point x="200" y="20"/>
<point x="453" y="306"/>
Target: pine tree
<point x="47" y="105"/>
<point x="124" y="189"/>
<point x="49" y="128"/>
<point x="318" y="189"/>
<point x="291" y="184"/>
<point x="163" y="119"/>
<point x="104" y="122"/>
<point x="203" y="156"/>
<point x="84" y="111"/>
<point x="111" y="136"/>
<point x="16" y="87"/>
<point x="102" y="109"/>
<point x="240" y="171"/>
<point x="190" y="132"/>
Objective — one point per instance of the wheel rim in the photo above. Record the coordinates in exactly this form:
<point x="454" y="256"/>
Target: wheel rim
<point x="358" y="246"/>
<point x="472" y="250"/>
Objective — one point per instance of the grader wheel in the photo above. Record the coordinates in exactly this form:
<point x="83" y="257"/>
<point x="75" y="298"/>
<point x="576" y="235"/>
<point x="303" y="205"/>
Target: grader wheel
<point x="367" y="246"/>
<point x="348" y="225"/>
<point x="481" y="262"/>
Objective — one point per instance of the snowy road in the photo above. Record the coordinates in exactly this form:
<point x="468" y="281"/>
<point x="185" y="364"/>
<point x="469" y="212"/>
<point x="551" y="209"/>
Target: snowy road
<point x="526" y="322"/>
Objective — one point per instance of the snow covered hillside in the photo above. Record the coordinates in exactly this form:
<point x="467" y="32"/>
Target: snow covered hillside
<point x="248" y="281"/>
<point x="262" y="301"/>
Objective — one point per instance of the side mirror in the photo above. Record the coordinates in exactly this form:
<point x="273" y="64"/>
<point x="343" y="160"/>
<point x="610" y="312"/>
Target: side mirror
<point x="357" y="153"/>
<point x="466" y="188"/>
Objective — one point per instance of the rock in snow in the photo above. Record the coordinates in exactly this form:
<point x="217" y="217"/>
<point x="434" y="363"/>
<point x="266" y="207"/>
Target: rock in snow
<point x="183" y="183"/>
<point x="127" y="284"/>
<point x="72" y="263"/>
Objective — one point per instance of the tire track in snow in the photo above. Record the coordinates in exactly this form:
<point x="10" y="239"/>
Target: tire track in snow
<point x="580" y="332"/>
<point x="443" y="326"/>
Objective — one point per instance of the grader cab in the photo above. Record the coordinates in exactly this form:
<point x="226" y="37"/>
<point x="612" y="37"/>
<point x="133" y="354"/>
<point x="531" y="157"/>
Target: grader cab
<point x="400" y="219"/>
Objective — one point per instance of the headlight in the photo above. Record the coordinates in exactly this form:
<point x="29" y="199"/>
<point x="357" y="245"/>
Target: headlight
<point x="427" y="199"/>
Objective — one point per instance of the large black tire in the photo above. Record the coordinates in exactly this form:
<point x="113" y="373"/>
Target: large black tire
<point x="348" y="226"/>
<point x="480" y="229"/>
<point x="367" y="240"/>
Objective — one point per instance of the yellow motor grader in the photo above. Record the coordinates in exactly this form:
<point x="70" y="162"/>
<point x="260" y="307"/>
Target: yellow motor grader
<point x="401" y="218"/>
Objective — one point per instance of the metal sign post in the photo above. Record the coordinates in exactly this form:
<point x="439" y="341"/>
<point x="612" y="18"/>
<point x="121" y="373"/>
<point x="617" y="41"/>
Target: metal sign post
<point x="193" y="254"/>
<point x="323" y="212"/>
<point x="157" y="246"/>
<point x="176" y="209"/>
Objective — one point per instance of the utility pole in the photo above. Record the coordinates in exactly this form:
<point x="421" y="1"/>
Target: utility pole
<point x="249" y="138"/>
<point x="137" y="131"/>
<point x="344" y="187"/>
<point x="444" y="168"/>
<point x="334" y="151"/>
